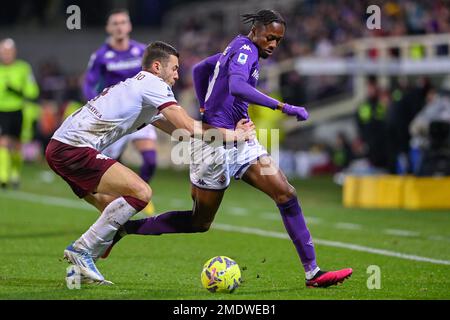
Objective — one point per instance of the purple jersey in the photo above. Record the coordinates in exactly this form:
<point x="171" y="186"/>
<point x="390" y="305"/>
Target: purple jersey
<point x="239" y="58"/>
<point x="108" y="66"/>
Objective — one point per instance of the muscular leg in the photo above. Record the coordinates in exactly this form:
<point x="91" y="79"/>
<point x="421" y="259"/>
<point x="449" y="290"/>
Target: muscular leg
<point x="117" y="181"/>
<point x="16" y="161"/>
<point x="5" y="160"/>
<point x="278" y="188"/>
<point x="199" y="219"/>
<point x="100" y="200"/>
<point x="120" y="195"/>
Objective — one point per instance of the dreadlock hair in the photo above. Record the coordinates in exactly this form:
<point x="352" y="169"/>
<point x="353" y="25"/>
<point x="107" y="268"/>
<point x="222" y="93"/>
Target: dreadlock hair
<point x="264" y="17"/>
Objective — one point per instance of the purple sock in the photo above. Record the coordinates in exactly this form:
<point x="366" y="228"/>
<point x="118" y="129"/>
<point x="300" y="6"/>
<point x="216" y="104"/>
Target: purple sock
<point x="169" y="222"/>
<point x="149" y="165"/>
<point x="295" y="225"/>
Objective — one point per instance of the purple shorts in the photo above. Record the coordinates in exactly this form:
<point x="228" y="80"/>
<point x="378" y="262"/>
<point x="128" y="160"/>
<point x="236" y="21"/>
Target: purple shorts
<point x="81" y="167"/>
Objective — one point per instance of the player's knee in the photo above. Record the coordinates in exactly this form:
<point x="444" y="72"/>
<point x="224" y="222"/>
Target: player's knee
<point x="285" y="194"/>
<point x="201" y="227"/>
<point x="143" y="192"/>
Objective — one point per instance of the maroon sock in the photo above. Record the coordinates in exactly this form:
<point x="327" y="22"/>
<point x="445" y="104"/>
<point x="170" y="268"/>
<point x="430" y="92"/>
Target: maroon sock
<point x="135" y="203"/>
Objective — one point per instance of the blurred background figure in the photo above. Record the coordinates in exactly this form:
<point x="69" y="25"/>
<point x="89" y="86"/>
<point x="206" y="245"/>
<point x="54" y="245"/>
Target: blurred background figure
<point x="407" y="101"/>
<point x="342" y="153"/>
<point x="116" y="60"/>
<point x="430" y="131"/>
<point x="371" y="123"/>
<point x="383" y="76"/>
<point x="17" y="88"/>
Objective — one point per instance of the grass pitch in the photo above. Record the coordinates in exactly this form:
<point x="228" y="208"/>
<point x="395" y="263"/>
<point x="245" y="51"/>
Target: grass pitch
<point x="40" y="220"/>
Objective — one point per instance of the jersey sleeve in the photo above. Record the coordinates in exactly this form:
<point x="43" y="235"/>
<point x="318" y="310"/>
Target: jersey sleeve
<point x="200" y="75"/>
<point x="159" y="94"/>
<point x="31" y="89"/>
<point x="93" y="76"/>
<point x="241" y="61"/>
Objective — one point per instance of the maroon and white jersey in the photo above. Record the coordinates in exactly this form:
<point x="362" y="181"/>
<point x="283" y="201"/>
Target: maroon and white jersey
<point x="117" y="111"/>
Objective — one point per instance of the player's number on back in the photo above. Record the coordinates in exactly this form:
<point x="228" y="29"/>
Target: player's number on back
<point x="140" y="76"/>
<point x="213" y="81"/>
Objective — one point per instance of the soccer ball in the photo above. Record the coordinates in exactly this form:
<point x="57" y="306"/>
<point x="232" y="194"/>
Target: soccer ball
<point x="221" y="274"/>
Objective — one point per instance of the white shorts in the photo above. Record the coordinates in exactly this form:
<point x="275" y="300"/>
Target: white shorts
<point x="212" y="166"/>
<point x="116" y="149"/>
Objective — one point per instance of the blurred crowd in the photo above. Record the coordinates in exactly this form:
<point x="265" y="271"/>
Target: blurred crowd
<point x="316" y="27"/>
<point x="405" y="130"/>
<point x="389" y="134"/>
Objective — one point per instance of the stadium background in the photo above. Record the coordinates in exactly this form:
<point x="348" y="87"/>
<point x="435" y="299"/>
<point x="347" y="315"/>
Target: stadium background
<point x="365" y="90"/>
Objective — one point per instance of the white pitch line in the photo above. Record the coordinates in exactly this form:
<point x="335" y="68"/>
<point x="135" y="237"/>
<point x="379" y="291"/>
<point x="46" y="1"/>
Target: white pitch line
<point x="336" y="244"/>
<point x="439" y="238"/>
<point x="178" y="203"/>
<point x="312" y="220"/>
<point x="237" y="211"/>
<point x="56" y="201"/>
<point x="67" y="203"/>
<point x="347" y="226"/>
<point x="271" y="216"/>
<point x="401" y="233"/>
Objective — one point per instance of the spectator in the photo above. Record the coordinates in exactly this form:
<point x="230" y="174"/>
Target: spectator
<point x="371" y="125"/>
<point x="17" y="88"/>
<point x="431" y="135"/>
<point x="342" y="153"/>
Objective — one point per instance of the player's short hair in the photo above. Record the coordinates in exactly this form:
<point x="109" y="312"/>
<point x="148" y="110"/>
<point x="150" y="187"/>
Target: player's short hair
<point x="8" y="43"/>
<point x="264" y="17"/>
<point x="117" y="11"/>
<point x="158" y="51"/>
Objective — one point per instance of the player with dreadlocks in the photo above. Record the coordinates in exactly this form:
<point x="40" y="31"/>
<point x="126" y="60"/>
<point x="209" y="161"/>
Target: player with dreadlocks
<point x="225" y="85"/>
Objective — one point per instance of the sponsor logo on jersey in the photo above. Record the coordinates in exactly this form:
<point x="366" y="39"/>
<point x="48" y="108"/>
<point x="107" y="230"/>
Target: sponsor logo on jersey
<point x="242" y="59"/>
<point x="169" y="92"/>
<point x="255" y="74"/>
<point x="123" y="65"/>
<point x="109" y="54"/>
<point x="94" y="110"/>
<point x="135" y="51"/>
<point x="102" y="157"/>
<point x="246" y="47"/>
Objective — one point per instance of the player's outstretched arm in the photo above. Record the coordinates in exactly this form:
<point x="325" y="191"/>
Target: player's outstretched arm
<point x="164" y="125"/>
<point x="200" y="75"/>
<point x="240" y="88"/>
<point x="177" y="116"/>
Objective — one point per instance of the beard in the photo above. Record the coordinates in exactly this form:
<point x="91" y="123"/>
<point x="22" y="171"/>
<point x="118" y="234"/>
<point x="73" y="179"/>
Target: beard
<point x="262" y="54"/>
<point x="167" y="79"/>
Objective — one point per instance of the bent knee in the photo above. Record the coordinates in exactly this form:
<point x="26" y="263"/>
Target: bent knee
<point x="201" y="227"/>
<point x="285" y="195"/>
<point x="143" y="192"/>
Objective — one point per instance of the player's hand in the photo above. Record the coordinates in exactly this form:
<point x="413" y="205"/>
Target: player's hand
<point x="298" y="112"/>
<point x="245" y="130"/>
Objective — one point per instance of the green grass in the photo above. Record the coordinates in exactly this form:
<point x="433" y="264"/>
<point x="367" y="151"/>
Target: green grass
<point x="33" y="236"/>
